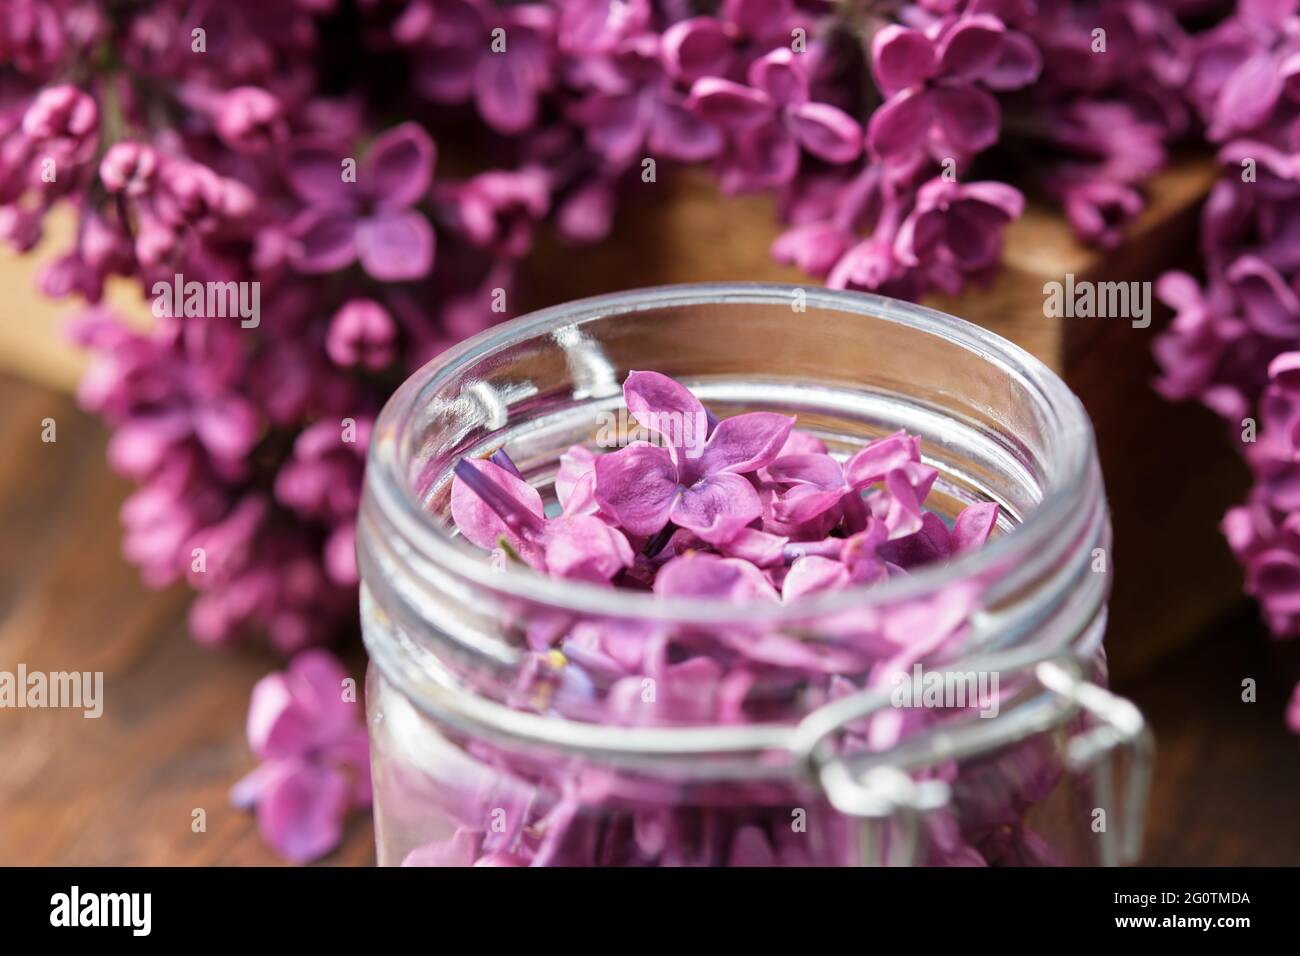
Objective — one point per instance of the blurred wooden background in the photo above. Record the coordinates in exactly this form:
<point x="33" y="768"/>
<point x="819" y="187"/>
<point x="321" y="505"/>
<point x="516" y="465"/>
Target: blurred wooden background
<point x="122" y="789"/>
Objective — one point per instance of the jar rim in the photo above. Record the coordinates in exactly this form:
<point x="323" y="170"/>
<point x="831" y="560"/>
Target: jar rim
<point x="1066" y="480"/>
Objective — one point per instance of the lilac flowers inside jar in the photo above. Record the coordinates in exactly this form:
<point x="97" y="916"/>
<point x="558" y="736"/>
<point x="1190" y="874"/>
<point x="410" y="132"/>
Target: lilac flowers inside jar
<point x="771" y="632"/>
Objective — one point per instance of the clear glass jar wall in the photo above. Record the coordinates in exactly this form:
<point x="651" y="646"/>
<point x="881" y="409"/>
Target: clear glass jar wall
<point x="495" y="742"/>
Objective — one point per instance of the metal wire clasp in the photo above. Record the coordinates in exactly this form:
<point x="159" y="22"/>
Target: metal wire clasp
<point x="887" y="801"/>
<point x="880" y="789"/>
<point x="1117" y="725"/>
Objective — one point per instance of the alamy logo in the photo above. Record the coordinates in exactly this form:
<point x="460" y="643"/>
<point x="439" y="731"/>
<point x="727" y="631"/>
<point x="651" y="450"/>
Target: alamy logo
<point x="213" y="300"/>
<point x="949" y="689"/>
<point x="1102" y="300"/>
<point x="76" y="690"/>
<point x="75" y="908"/>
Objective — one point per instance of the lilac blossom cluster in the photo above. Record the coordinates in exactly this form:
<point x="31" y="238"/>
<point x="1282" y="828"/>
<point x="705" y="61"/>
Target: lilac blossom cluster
<point x="291" y="144"/>
<point x="1112" y="98"/>
<point x="747" y="510"/>
<point x="1234" y="343"/>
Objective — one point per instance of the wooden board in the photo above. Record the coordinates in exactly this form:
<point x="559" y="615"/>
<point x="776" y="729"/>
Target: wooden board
<point x="120" y="789"/>
<point x="33" y="337"/>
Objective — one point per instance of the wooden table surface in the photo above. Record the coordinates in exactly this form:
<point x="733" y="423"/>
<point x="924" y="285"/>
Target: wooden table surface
<point x="122" y="789"/>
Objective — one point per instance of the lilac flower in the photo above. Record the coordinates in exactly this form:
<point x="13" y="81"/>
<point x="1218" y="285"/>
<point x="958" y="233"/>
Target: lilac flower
<point x="633" y="109"/>
<point x="371" y="219"/>
<point x="813" y="485"/>
<point x="462" y="63"/>
<point x="34" y="37"/>
<point x="492" y="507"/>
<point x="771" y="120"/>
<point x="768" y="533"/>
<point x="816" y="482"/>
<point x="361" y="333"/>
<point x="1104" y="121"/>
<point x="1245" y="66"/>
<point x="955" y="230"/>
<point x="306" y="728"/>
<point x="695" y="484"/>
<point x="283" y="590"/>
<point x="930" y="80"/>
<point x="1202" y="334"/>
<point x="1098" y="209"/>
<point x="250" y="120"/>
<point x="225" y="428"/>
<point x="1233" y="342"/>
<point x="181" y="205"/>
<point x="498" y="211"/>
<point x="1115" y="149"/>
<point x="64" y="121"/>
<point x="1113" y="141"/>
<point x="321" y="479"/>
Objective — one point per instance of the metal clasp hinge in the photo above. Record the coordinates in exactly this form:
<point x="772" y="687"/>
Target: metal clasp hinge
<point x="1118" y="727"/>
<point x="879" y="788"/>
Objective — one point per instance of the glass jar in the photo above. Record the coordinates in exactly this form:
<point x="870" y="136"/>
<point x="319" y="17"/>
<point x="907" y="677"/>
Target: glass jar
<point x="495" y="738"/>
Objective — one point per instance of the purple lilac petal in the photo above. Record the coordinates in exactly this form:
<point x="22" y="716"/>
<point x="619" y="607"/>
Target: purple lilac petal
<point x="971" y="48"/>
<point x="398" y="169"/>
<point x="326" y="240"/>
<point x="781" y="77"/>
<point x="479" y="522"/>
<point x="743" y="443"/>
<point x="717" y="507"/>
<point x="974" y="525"/>
<point x="667" y="409"/>
<point x="696" y="48"/>
<point x="585" y="548"/>
<point x="709" y="576"/>
<point x="812" y="574"/>
<point x="301" y="812"/>
<point x="759" y="548"/>
<point x="901" y="57"/>
<point x="729" y="104"/>
<point x="826" y="131"/>
<point x="395" y="246"/>
<point x="638" y="486"/>
<point x="878" y="459"/>
<point x="901" y="125"/>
